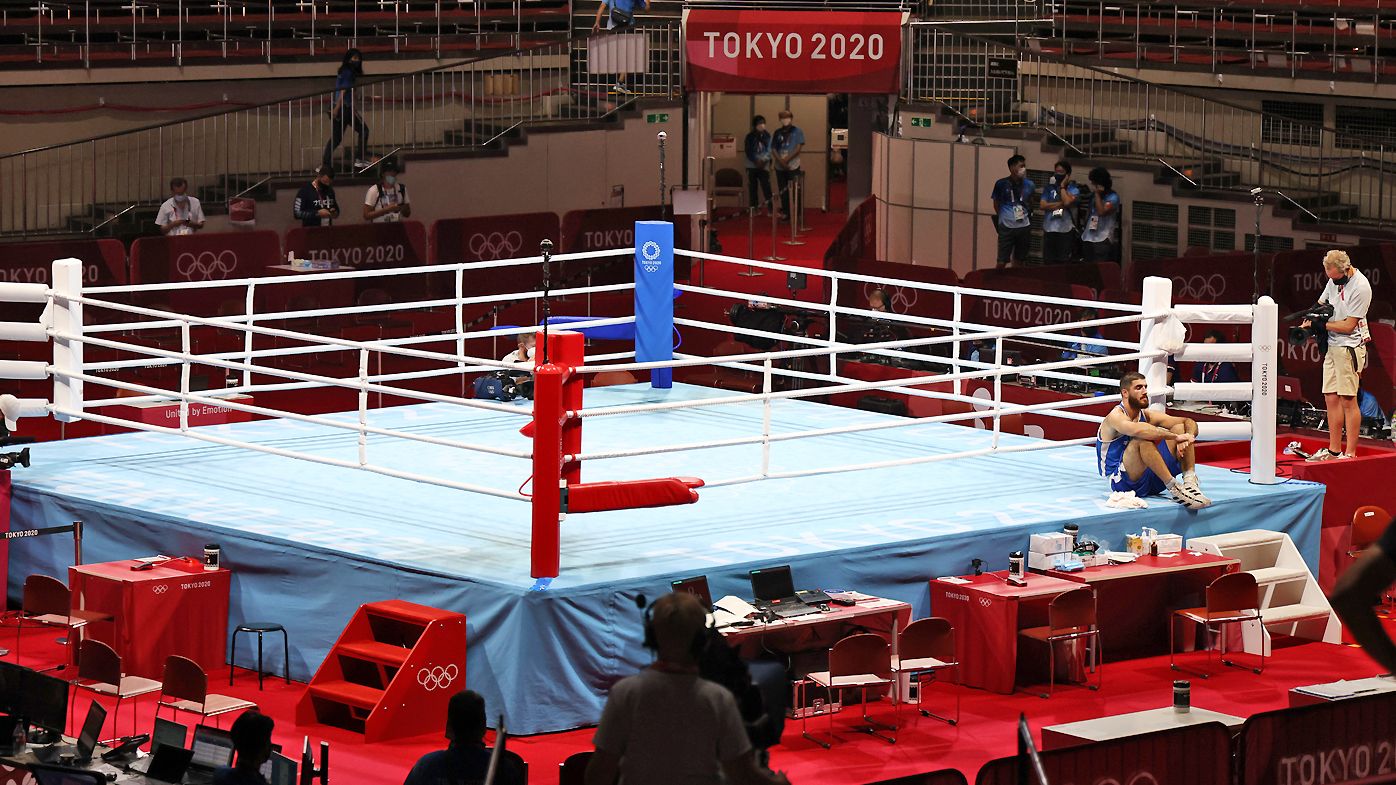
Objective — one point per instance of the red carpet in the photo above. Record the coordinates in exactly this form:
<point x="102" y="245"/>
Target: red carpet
<point x="985" y="730"/>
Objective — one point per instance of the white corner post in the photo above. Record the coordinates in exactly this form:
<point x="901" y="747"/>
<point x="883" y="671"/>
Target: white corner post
<point x="1264" y="345"/>
<point x="1157" y="298"/>
<point x="67" y="353"/>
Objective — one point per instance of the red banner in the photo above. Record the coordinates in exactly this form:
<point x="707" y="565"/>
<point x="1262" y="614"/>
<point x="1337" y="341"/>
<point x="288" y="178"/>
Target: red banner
<point x="362" y="246"/>
<point x="809" y="52"/>
<point x="1332" y="743"/>
<point x="1228" y="279"/>
<point x="1299" y="276"/>
<point x="203" y="257"/>
<point x="1185" y="756"/>
<point x="491" y="237"/>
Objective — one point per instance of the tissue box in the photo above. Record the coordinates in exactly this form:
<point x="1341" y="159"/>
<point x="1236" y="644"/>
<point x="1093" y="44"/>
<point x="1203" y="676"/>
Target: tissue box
<point x="1056" y="542"/>
<point x="1046" y="561"/>
<point x="313" y="264"/>
<point x="1141" y="545"/>
<point x="1169" y="543"/>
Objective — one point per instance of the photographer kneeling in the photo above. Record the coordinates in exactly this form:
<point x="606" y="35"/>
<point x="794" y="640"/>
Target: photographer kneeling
<point x="1350" y="295"/>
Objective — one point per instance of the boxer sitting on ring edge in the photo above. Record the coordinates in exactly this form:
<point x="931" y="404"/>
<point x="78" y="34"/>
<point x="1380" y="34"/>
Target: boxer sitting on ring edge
<point x="1148" y="452"/>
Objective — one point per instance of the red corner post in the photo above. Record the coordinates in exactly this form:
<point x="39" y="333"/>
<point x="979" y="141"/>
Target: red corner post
<point x="557" y="389"/>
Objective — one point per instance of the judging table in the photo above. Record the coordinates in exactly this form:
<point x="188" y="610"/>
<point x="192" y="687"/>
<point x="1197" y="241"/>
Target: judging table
<point x="820" y="630"/>
<point x="987" y="613"/>
<point x="1119" y="726"/>
<point x="156" y="613"/>
<point x="1341" y="690"/>
<point x="1135" y="601"/>
<point x="1133" y="608"/>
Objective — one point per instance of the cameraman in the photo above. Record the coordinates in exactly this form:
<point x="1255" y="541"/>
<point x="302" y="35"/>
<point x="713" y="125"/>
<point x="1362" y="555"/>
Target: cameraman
<point x="1350" y="295"/>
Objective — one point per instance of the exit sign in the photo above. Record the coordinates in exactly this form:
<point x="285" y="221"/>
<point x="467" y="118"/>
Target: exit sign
<point x="657" y="118"/>
<point x="922" y="122"/>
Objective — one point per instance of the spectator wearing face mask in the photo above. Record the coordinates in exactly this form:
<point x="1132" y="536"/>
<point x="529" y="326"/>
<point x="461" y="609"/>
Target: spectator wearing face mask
<point x="386" y="201"/>
<point x="786" y="144"/>
<point x="181" y="213"/>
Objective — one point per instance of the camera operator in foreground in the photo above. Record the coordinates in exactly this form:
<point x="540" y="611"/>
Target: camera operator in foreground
<point x="1349" y="295"/>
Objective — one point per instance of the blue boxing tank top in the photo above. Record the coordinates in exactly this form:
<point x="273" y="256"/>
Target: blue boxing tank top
<point x="1109" y="455"/>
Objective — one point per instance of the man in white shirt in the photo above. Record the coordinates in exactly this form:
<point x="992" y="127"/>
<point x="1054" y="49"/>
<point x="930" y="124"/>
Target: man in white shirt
<point x="386" y="201"/>
<point x="1350" y="295"/>
<point x="181" y="213"/>
<point x="668" y="726"/>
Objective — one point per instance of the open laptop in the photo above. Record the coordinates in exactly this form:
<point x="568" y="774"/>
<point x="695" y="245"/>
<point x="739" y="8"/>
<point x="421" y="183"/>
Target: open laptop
<point x="167" y="764"/>
<point x="87" y="739"/>
<point x="166" y="734"/>
<point x="697" y="586"/>
<point x="774" y="591"/>
<point x="212" y="748"/>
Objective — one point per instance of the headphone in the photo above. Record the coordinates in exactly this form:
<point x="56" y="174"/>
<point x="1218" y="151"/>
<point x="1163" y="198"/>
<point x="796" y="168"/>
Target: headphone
<point x="696" y="647"/>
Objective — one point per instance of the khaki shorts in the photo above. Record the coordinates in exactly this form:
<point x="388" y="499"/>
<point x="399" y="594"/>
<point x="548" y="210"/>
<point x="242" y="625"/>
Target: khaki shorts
<point x="1342" y="367"/>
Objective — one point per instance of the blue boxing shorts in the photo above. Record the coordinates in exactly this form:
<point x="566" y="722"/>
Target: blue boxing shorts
<point x="1148" y="484"/>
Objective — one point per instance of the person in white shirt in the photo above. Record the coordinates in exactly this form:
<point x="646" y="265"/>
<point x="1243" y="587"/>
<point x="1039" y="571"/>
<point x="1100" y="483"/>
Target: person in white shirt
<point x="386" y="201"/>
<point x="1350" y="294"/>
<point x="181" y="213"/>
<point x="666" y="725"/>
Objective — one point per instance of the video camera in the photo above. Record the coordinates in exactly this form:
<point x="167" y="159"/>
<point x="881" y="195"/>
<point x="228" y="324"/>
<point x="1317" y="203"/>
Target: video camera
<point x="1318" y="314"/>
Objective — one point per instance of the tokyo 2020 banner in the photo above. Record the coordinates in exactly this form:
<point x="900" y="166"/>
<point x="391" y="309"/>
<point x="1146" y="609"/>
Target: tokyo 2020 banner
<point x="811" y="52"/>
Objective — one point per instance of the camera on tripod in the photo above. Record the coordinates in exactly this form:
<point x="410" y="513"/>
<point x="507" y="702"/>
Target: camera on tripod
<point x="1317" y="315"/>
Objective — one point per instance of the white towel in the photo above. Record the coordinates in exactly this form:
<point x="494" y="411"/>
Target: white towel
<point x="1125" y="500"/>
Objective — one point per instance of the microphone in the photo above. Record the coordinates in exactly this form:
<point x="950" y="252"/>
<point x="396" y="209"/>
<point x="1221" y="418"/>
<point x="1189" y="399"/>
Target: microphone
<point x="640" y="601"/>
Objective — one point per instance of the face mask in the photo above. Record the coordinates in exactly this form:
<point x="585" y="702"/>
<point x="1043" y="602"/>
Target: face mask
<point x="1342" y="281"/>
<point x="390" y="180"/>
<point x="181" y="198"/>
<point x="761" y="127"/>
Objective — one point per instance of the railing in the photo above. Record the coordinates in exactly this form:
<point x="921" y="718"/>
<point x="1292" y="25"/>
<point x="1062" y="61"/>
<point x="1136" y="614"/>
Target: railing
<point x="469" y="104"/>
<point x="1319" y="41"/>
<point x="1221" y="146"/>
<point x="84" y="33"/>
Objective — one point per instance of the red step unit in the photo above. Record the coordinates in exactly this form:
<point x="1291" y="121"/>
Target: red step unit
<point x="390" y="674"/>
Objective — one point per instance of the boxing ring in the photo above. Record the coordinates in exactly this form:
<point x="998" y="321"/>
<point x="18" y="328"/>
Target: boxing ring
<point x="317" y="513"/>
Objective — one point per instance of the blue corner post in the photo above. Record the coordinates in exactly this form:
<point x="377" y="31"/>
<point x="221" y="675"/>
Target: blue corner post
<point x="654" y="298"/>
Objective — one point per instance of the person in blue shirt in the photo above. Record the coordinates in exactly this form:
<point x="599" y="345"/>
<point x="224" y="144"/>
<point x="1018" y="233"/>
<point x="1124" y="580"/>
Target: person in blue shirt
<point x="786" y="144"/>
<point x="1102" y="219"/>
<point x="1013" y="211"/>
<point x="251" y="734"/>
<point x="466" y="760"/>
<point x="1058" y="208"/>
<point x="758" y="163"/>
<point x="1370" y="408"/>
<point x="1212" y="373"/>
<point x="620" y="18"/>
<point x="344" y="113"/>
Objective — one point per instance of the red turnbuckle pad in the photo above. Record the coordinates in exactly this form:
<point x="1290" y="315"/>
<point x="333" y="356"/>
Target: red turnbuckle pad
<point x="628" y="494"/>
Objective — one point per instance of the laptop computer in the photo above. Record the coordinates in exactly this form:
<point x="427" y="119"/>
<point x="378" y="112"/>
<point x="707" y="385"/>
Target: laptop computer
<point x="774" y="591"/>
<point x="167" y="764"/>
<point x="212" y="748"/>
<point x="697" y="586"/>
<point x="167" y="732"/>
<point x="279" y="770"/>
<point x="1287" y="389"/>
<point x="87" y="739"/>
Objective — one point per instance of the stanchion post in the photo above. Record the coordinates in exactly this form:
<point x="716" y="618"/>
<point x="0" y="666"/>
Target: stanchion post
<point x="750" y="272"/>
<point x="795" y="196"/>
<point x="775" y="230"/>
<point x="1264" y="343"/>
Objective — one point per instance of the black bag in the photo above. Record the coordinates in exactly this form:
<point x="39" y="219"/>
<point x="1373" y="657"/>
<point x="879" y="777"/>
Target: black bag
<point x="622" y="20"/>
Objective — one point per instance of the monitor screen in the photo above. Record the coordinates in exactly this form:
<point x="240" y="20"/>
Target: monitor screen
<point x="212" y="748"/>
<point x="11" y="686"/>
<point x="167" y="732"/>
<point x="44" y="701"/>
<point x="698" y="587"/>
<point x="91" y="730"/>
<point x="283" y="770"/>
<point x="772" y="584"/>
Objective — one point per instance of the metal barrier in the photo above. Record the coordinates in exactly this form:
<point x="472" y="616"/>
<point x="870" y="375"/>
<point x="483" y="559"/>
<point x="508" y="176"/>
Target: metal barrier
<point x="84" y="33"/>
<point x="75" y="186"/>
<point x="1340" y="176"/>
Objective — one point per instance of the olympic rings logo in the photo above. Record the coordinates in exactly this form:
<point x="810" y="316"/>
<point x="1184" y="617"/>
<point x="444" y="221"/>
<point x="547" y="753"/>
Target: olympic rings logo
<point x="437" y="678"/>
<point x="494" y="245"/>
<point x="899" y="300"/>
<point x="985" y="601"/>
<point x="160" y="588"/>
<point x="649" y="256"/>
<point x="206" y="265"/>
<point x="1200" y="287"/>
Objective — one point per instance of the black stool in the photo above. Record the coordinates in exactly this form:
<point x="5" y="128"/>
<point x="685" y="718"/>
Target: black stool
<point x="261" y="628"/>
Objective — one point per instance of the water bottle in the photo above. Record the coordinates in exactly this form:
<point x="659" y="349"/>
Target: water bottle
<point x="1073" y="531"/>
<point x="1182" y="696"/>
<point x="1015" y="567"/>
<point x="21" y="738"/>
<point x="212" y="553"/>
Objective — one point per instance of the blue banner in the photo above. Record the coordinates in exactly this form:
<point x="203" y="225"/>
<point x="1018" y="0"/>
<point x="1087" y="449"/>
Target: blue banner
<point x="654" y="297"/>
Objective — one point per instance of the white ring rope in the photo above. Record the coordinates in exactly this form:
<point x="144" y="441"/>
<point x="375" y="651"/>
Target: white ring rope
<point x="930" y="287"/>
<point x="335" y="275"/>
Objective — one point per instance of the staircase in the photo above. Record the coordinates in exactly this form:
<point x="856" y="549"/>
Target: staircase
<point x="390" y="674"/>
